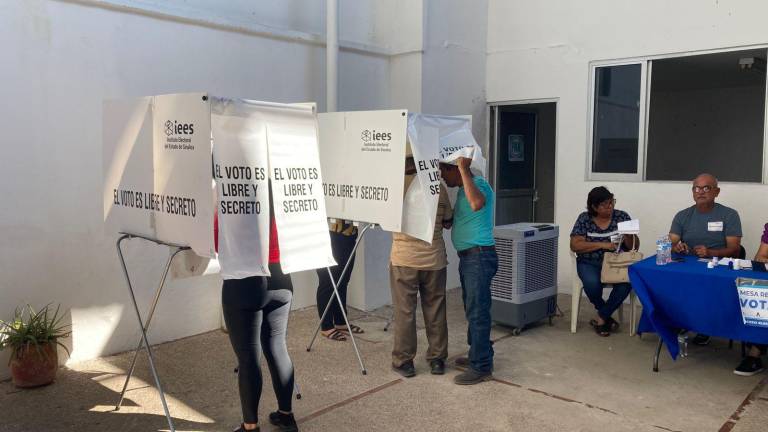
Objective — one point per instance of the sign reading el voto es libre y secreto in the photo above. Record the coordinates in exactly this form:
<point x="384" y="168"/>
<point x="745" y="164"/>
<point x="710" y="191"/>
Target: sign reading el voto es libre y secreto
<point x="362" y="154"/>
<point x="266" y="150"/>
<point x="154" y="151"/>
<point x="158" y="177"/>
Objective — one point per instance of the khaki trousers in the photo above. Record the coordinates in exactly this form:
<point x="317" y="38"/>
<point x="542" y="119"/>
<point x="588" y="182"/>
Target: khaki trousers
<point x="406" y="283"/>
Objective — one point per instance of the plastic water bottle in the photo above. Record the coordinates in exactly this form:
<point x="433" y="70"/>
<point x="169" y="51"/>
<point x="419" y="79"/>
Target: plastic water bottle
<point x="660" y="259"/>
<point x="667" y="249"/>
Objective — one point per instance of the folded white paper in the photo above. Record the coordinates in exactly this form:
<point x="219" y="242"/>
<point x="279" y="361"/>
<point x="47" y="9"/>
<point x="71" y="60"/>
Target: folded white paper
<point x="629" y="227"/>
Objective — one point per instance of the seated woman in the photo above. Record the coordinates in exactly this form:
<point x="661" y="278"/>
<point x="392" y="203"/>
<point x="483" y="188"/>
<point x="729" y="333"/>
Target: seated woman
<point x="590" y="238"/>
<point x="752" y="364"/>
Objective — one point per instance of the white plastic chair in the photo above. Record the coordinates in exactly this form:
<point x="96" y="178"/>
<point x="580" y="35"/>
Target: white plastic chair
<point x="578" y="288"/>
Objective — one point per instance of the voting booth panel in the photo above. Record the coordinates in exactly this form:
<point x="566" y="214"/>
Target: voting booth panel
<point x="362" y="154"/>
<point x="434" y="139"/>
<point x="158" y="171"/>
<point x="155" y="149"/>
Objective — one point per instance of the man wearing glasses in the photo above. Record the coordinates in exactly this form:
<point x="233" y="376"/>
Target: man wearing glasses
<point x="706" y="229"/>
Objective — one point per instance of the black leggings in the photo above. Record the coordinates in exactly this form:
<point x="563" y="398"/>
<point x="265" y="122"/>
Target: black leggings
<point x="341" y="246"/>
<point x="260" y="326"/>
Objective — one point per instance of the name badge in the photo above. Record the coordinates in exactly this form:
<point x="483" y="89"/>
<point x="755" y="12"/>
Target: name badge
<point x="715" y="226"/>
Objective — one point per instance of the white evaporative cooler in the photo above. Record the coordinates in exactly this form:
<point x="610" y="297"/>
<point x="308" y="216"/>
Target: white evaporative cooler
<point x="524" y="289"/>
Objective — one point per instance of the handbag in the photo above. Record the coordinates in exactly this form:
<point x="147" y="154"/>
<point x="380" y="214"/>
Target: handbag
<point x="616" y="265"/>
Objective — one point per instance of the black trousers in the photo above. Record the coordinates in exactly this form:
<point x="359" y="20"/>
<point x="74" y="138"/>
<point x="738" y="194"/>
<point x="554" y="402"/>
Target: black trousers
<point x="259" y="324"/>
<point x="761" y="347"/>
<point x="342" y="248"/>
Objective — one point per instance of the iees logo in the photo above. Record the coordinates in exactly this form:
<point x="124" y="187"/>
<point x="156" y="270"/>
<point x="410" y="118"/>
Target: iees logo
<point x="372" y="135"/>
<point x="176" y="128"/>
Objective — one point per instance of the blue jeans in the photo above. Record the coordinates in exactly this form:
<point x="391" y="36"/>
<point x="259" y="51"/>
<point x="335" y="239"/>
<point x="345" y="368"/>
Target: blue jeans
<point x="589" y="273"/>
<point x="476" y="271"/>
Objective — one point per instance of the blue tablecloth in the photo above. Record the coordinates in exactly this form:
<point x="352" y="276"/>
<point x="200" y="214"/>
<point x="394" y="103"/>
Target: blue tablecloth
<point x="688" y="295"/>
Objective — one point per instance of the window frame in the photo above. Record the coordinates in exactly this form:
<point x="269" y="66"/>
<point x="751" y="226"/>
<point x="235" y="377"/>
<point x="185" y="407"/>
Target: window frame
<point x="639" y="175"/>
<point x="646" y="63"/>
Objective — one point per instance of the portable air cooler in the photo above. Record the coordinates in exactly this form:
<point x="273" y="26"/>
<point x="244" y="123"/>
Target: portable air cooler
<point x="524" y="289"/>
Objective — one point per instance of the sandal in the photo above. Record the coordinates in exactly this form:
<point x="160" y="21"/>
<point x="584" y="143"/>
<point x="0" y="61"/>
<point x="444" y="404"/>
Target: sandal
<point x="603" y="330"/>
<point x="614" y="324"/>
<point x="355" y="329"/>
<point x="335" y="334"/>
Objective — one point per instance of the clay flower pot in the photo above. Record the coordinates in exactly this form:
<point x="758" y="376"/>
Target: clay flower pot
<point x="31" y="367"/>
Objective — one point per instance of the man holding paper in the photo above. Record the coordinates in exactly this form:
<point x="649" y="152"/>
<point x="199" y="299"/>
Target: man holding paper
<point x="419" y="268"/>
<point x="472" y="236"/>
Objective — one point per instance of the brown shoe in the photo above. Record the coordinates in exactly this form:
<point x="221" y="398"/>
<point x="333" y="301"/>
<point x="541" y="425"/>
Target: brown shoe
<point x="461" y="361"/>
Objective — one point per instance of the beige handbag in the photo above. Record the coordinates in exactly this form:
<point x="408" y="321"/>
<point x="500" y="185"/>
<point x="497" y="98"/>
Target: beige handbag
<point x="616" y="265"/>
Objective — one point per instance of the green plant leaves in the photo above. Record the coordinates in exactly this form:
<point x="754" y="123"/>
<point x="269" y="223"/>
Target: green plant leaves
<point x="30" y="328"/>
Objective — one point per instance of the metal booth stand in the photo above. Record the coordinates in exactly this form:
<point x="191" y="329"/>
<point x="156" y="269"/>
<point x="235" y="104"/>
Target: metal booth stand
<point x="144" y="326"/>
<point x="338" y="298"/>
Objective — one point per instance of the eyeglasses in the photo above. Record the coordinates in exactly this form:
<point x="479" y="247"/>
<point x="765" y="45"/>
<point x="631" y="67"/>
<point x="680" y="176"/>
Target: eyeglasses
<point x="606" y="204"/>
<point x="705" y="189"/>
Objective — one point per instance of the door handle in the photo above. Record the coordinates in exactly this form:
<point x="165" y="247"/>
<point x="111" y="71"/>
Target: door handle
<point x="535" y="195"/>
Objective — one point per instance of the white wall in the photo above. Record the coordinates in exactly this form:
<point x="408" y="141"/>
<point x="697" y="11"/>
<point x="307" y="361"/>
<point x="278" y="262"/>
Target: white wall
<point x="542" y="49"/>
<point x="61" y="60"/>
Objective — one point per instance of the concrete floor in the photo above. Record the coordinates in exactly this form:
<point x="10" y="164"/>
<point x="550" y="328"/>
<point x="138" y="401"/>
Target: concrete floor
<point x="546" y="379"/>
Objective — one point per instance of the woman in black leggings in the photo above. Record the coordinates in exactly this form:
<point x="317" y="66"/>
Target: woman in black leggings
<point x="256" y="313"/>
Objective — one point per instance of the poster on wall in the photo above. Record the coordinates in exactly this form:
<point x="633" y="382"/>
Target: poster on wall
<point x="362" y="154"/>
<point x="154" y="149"/>
<point x="297" y="187"/>
<point x="240" y="168"/>
<point x="516" y="148"/>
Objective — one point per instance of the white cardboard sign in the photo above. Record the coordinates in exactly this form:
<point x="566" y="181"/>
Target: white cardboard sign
<point x="362" y="154"/>
<point x="297" y="187"/>
<point x="753" y="299"/>
<point x="422" y="197"/>
<point x="154" y="151"/>
<point x="242" y="196"/>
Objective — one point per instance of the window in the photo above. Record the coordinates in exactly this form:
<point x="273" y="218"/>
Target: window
<point x="616" y="121"/>
<point x="706" y="115"/>
<point x="697" y="113"/>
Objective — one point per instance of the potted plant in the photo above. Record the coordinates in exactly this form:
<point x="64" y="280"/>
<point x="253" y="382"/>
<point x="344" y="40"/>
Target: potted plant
<point x="33" y="337"/>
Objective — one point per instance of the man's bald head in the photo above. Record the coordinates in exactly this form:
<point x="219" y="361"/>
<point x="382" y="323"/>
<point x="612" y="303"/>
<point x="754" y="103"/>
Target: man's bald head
<point x="706" y="178"/>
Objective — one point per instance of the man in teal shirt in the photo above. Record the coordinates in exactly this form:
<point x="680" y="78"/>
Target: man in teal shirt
<point x="472" y="236"/>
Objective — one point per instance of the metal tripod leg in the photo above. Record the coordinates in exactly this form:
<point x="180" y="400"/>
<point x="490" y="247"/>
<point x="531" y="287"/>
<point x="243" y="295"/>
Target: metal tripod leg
<point x="338" y="298"/>
<point x="349" y="328"/>
<point x="146" y="325"/>
<point x="144" y="333"/>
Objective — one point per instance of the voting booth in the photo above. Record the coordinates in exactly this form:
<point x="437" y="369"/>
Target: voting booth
<point x="175" y="165"/>
<point x="173" y="162"/>
<point x="362" y="154"/>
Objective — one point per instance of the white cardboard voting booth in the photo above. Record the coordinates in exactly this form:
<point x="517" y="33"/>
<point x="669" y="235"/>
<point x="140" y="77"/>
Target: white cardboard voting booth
<point x="158" y="172"/>
<point x="363" y="159"/>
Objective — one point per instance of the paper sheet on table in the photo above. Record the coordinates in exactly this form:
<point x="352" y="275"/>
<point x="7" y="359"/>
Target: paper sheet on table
<point x="629" y="227"/>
